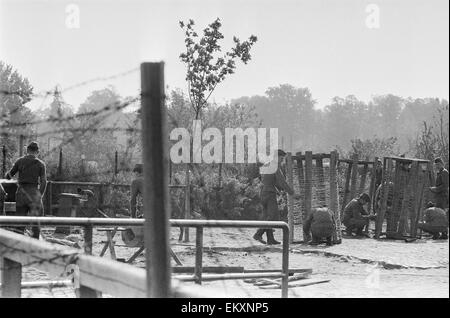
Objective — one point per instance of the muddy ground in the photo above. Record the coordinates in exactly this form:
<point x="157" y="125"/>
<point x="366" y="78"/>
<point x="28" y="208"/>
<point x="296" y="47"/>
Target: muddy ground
<point x="355" y="268"/>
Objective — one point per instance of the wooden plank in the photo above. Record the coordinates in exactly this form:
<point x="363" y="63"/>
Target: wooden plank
<point x="334" y="201"/>
<point x="354" y="177"/>
<point x="402" y="224"/>
<point x="11" y="278"/>
<point x="415" y="197"/>
<point x="373" y="176"/>
<point x="209" y="269"/>
<point x="113" y="278"/>
<point x="320" y="189"/>
<point x="187" y="202"/>
<point x="290" y="181"/>
<point x="315" y="156"/>
<point x="301" y="184"/>
<point x="387" y="168"/>
<point x="308" y="190"/>
<point x="345" y="199"/>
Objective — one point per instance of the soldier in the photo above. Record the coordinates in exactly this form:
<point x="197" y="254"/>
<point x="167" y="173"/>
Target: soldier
<point x="440" y="189"/>
<point x="355" y="216"/>
<point x="272" y="182"/>
<point x="321" y="224"/>
<point x="436" y="222"/>
<point x="137" y="187"/>
<point x="32" y="183"/>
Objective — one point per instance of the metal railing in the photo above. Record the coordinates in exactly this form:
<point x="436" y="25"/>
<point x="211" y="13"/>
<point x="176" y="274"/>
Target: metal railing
<point x="89" y="223"/>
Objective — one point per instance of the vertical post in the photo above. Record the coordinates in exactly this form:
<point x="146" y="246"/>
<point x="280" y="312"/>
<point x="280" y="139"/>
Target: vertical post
<point x="220" y="175"/>
<point x="285" y="263"/>
<point x="346" y="187"/>
<point x="116" y="163"/>
<point x="321" y="192"/>
<point x="301" y="183"/>
<point x="60" y="165"/>
<point x="187" y="204"/>
<point x="3" y="161"/>
<point x="354" y="176"/>
<point x="21" y="140"/>
<point x="362" y="183"/>
<point x="50" y="198"/>
<point x="308" y="190"/>
<point x="385" y="179"/>
<point x="198" y="255"/>
<point x="290" y="181"/>
<point x="170" y="171"/>
<point x="415" y="195"/>
<point x="156" y="191"/>
<point x="373" y="177"/>
<point x="88" y="233"/>
<point x="11" y="279"/>
<point x="334" y="203"/>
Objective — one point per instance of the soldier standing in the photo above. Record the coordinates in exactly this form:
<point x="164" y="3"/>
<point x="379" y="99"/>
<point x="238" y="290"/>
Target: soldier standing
<point x="32" y="182"/>
<point x="271" y="183"/>
<point x="440" y="189"/>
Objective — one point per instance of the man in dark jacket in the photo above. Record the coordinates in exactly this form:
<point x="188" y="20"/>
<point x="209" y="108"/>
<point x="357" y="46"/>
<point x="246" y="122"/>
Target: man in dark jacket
<point x="321" y="224"/>
<point x="355" y="216"/>
<point x="271" y="183"/>
<point x="440" y="189"/>
<point x="436" y="222"/>
<point x="32" y="184"/>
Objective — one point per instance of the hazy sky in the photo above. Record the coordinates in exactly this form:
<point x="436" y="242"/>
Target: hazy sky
<point x="324" y="45"/>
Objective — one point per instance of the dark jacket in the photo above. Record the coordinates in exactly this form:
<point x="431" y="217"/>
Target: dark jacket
<point x="32" y="172"/>
<point x="275" y="181"/>
<point x="441" y="186"/>
<point x="354" y="210"/>
<point x="435" y="216"/>
<point x="319" y="218"/>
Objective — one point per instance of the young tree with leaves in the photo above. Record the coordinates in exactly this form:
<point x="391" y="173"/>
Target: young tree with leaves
<point x="206" y="66"/>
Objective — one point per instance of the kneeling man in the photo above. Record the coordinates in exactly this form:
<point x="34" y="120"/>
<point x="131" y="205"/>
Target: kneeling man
<point x="436" y="222"/>
<point x="355" y="216"/>
<point x="320" y="223"/>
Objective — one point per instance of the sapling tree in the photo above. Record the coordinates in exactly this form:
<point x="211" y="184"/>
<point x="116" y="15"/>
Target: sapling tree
<point x="206" y="65"/>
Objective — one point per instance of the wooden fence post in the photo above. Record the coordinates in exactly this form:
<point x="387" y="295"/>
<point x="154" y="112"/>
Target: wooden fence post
<point x="387" y="168"/>
<point x="3" y="161"/>
<point x="290" y="181"/>
<point x="334" y="203"/>
<point x="346" y="187"/>
<point x="187" y="204"/>
<point x="156" y="190"/>
<point x="308" y="190"/>
<point x="11" y="278"/>
<point x="301" y="184"/>
<point x="353" y="182"/>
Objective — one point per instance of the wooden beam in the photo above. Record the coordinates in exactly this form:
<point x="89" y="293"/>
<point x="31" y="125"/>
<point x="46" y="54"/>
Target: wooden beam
<point x="156" y="191"/>
<point x="354" y="177"/>
<point x="11" y="278"/>
<point x="301" y="184"/>
<point x="320" y="189"/>
<point x="345" y="199"/>
<point x="334" y="201"/>
<point x="308" y="190"/>
<point x="415" y="197"/>
<point x="290" y="181"/>
<point x="387" y="169"/>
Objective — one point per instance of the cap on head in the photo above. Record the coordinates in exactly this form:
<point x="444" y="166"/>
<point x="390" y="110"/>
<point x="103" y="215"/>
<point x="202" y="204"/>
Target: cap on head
<point x="33" y="146"/>
<point x="365" y="197"/>
<point x="138" y="168"/>
<point x="438" y="160"/>
<point x="281" y="153"/>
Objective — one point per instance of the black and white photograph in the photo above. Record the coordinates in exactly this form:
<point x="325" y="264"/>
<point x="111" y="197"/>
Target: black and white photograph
<point x="224" y="153"/>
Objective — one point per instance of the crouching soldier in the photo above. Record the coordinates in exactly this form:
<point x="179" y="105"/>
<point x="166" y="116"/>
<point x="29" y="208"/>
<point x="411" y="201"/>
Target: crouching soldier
<point x="320" y="223"/>
<point x="436" y="222"/>
<point x="32" y="182"/>
<point x="355" y="216"/>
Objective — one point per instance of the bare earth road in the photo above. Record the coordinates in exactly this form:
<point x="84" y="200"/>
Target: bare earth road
<point x="355" y="268"/>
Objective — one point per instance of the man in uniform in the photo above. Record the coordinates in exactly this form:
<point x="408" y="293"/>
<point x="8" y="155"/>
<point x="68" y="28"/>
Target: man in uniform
<point x="271" y="183"/>
<point x="137" y="190"/>
<point x="32" y="182"/>
<point x="320" y="223"/>
<point x="436" y="222"/>
<point x="440" y="189"/>
<point x="355" y="216"/>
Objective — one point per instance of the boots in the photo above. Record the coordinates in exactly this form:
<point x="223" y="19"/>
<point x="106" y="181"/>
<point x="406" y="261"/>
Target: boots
<point x="258" y="236"/>
<point x="270" y="239"/>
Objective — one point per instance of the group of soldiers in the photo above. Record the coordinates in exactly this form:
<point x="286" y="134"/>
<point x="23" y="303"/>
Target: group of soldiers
<point x="319" y="225"/>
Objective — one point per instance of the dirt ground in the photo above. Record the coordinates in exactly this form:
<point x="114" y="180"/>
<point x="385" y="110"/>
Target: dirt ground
<point x="355" y="268"/>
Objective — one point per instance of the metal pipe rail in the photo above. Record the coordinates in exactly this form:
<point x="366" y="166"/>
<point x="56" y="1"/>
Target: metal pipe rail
<point x="89" y="223"/>
<point x="93" y="275"/>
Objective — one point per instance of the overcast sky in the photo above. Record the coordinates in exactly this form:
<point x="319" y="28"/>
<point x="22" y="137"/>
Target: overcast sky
<point x="324" y="45"/>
